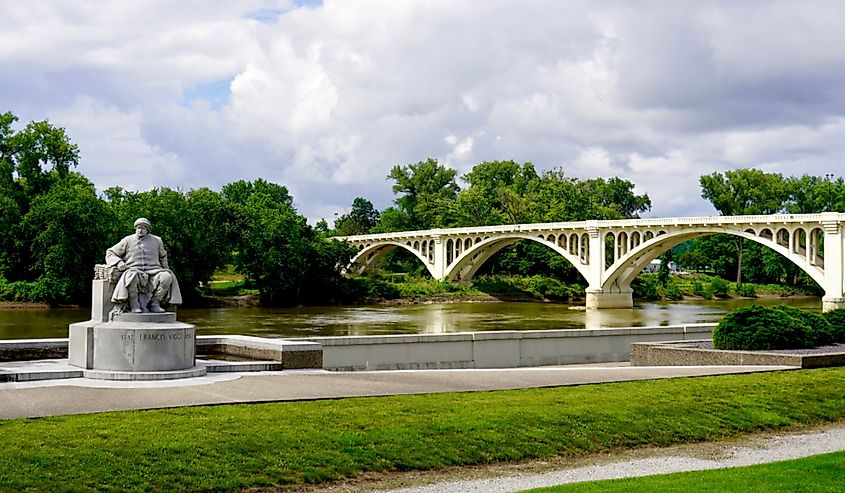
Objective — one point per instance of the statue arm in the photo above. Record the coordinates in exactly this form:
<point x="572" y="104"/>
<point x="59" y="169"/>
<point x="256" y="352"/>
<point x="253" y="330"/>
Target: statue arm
<point x="115" y="255"/>
<point x="162" y="255"/>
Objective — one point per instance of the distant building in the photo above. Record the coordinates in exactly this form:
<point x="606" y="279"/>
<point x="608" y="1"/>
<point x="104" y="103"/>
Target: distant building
<point x="654" y="266"/>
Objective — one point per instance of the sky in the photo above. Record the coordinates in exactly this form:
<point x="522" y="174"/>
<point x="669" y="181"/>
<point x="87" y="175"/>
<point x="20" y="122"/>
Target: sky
<point x="326" y="97"/>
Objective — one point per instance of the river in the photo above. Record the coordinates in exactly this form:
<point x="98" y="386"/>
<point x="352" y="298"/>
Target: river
<point x="402" y="319"/>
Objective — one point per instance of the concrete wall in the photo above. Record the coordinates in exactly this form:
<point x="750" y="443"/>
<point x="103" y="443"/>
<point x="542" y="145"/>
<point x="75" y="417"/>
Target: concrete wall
<point x="505" y="349"/>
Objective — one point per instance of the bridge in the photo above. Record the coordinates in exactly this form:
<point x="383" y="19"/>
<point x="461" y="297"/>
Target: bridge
<point x="609" y="254"/>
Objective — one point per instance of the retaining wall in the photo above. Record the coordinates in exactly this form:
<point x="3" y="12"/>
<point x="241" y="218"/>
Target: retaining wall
<point x="499" y="349"/>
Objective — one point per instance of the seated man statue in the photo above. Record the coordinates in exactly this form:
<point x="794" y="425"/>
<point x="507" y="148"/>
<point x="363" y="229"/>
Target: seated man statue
<point x="145" y="280"/>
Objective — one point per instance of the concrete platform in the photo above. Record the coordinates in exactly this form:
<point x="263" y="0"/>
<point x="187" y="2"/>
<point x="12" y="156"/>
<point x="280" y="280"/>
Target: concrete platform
<point x="35" y="398"/>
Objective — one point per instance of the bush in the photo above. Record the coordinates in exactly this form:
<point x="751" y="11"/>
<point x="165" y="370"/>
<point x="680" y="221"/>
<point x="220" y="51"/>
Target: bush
<point x="820" y="333"/>
<point x="719" y="287"/>
<point x="836" y="318"/>
<point x="746" y="290"/>
<point x="758" y="327"/>
<point x="645" y="286"/>
<point x="673" y="292"/>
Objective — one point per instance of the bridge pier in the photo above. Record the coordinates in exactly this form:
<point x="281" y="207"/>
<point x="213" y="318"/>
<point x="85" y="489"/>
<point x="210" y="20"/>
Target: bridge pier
<point x="600" y="299"/>
<point x="829" y="304"/>
<point x="834" y="265"/>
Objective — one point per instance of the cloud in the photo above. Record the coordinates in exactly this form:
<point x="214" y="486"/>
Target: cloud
<point x="326" y="97"/>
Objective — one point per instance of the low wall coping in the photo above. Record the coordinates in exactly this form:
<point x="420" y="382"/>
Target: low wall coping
<point x="509" y="335"/>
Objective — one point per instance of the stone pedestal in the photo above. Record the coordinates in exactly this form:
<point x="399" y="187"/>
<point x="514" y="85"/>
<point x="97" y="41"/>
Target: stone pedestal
<point x="130" y="346"/>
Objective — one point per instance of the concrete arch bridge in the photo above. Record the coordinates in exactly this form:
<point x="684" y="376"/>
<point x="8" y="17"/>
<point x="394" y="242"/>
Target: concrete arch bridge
<point x="609" y="254"/>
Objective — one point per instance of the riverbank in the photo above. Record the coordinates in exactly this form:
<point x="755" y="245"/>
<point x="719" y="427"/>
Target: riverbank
<point x="16" y="305"/>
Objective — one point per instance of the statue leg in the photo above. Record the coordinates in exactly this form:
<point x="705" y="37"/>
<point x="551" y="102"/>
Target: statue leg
<point x="134" y="304"/>
<point x="161" y="282"/>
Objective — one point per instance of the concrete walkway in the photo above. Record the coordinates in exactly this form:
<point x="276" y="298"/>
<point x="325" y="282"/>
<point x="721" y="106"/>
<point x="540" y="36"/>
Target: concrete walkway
<point x="682" y="458"/>
<point x="79" y="396"/>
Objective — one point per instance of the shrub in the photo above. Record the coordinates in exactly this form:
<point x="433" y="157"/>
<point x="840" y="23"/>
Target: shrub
<point x="719" y="287"/>
<point x="820" y="333"/>
<point x="746" y="290"/>
<point x="673" y="292"/>
<point x="645" y="286"/>
<point x="758" y="327"/>
<point x="836" y="318"/>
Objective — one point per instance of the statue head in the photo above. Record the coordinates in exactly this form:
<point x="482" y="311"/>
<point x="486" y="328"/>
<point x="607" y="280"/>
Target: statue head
<point x="142" y="226"/>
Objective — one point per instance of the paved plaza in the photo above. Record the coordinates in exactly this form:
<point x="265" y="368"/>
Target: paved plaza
<point x="79" y="395"/>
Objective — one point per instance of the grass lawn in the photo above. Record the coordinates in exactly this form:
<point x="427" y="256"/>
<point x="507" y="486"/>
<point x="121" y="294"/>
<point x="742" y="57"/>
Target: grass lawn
<point x="225" y="448"/>
<point x="820" y="473"/>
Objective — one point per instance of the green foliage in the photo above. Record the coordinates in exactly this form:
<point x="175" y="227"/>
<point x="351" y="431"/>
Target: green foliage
<point x="673" y="292"/>
<point x="757" y="327"/>
<point x="836" y="318"/>
<point x="424" y="190"/>
<point x="646" y="287"/>
<point x="699" y="289"/>
<point x="276" y="250"/>
<point x="536" y="287"/>
<point x="812" y="194"/>
<point x="746" y="290"/>
<point x="719" y="288"/>
<point x="360" y="220"/>
<point x="22" y="291"/>
<point x="650" y="287"/>
<point x="198" y="229"/>
<point x="68" y="227"/>
<point x="820" y="332"/>
<point x="663" y="269"/>
<point x="239" y="447"/>
<point x="745" y="191"/>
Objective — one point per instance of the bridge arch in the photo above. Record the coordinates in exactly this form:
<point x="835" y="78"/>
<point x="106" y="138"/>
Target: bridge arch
<point x="465" y="265"/>
<point x="626" y="267"/>
<point x="369" y="255"/>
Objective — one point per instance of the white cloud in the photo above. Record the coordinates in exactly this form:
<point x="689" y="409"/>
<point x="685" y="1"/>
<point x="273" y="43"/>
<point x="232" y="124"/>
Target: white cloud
<point x="326" y="99"/>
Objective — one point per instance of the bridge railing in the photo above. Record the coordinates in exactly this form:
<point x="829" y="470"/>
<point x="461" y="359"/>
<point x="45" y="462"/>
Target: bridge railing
<point x="622" y="223"/>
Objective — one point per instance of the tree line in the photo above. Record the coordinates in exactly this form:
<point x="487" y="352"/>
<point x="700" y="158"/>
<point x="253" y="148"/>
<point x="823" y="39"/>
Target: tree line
<point x="54" y="226"/>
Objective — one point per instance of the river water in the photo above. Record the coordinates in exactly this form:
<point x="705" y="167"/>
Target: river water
<point x="402" y="319"/>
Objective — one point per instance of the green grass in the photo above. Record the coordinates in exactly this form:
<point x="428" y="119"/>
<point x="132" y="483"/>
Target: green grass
<point x="228" y="448"/>
<point x="820" y="473"/>
<point x="230" y="288"/>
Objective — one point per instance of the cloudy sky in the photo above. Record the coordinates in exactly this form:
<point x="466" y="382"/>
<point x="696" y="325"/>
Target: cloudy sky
<point x="325" y="97"/>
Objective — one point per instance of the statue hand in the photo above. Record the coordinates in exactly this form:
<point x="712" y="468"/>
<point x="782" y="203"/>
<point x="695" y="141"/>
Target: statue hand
<point x="121" y="266"/>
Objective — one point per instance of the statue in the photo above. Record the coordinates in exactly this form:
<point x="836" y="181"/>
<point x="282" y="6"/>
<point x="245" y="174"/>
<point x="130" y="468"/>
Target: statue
<point x="145" y="281"/>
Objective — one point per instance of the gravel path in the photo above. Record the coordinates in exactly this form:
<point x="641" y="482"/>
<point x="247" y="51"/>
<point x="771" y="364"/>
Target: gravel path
<point x="758" y="451"/>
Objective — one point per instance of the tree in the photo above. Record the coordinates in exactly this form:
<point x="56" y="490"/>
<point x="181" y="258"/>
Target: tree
<point x="812" y="194"/>
<point x="360" y="220"/>
<point x="615" y="198"/>
<point x="422" y="187"/>
<point x="744" y="191"/>
<point x="31" y="162"/>
<point x="664" y="269"/>
<point x="271" y="251"/>
<point x="507" y="187"/>
<point x="197" y="227"/>
<point x="69" y="230"/>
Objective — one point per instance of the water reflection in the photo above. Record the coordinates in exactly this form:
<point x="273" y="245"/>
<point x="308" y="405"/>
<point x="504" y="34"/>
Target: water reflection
<point x="402" y="319"/>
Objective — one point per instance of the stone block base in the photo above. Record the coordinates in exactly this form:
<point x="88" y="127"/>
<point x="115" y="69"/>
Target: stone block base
<point x="293" y="355"/>
<point x="829" y="304"/>
<point x="135" y="376"/>
<point x="600" y="299"/>
<point x="149" y="342"/>
<point x="676" y="354"/>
